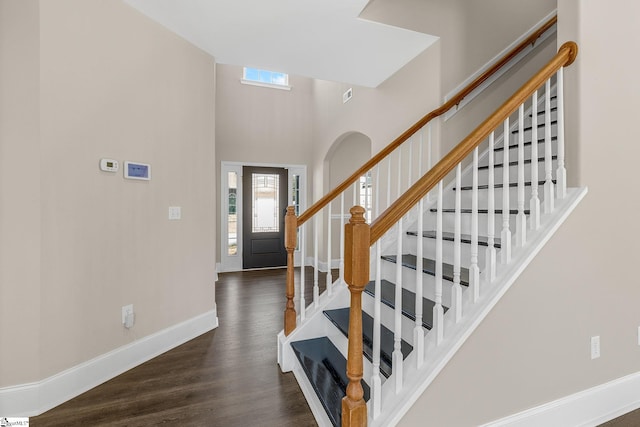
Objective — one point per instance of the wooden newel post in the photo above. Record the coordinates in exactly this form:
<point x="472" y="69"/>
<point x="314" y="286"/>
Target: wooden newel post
<point x="356" y="272"/>
<point x="290" y="238"/>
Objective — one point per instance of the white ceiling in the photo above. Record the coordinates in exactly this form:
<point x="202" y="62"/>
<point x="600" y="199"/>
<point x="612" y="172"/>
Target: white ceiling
<point x="323" y="39"/>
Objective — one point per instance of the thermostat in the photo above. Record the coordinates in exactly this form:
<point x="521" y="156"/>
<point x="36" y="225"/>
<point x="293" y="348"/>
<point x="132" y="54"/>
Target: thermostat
<point x="109" y="165"/>
<point x="135" y="170"/>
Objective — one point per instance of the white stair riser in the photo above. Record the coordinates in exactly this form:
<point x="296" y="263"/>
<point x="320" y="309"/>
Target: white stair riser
<point x="513" y="152"/>
<point x="342" y="344"/>
<point x="409" y="282"/>
<point x="466" y="197"/>
<point x="429" y="250"/>
<point x="465" y="223"/>
<point x="387" y="317"/>
<point x="483" y="174"/>
<point x="513" y="137"/>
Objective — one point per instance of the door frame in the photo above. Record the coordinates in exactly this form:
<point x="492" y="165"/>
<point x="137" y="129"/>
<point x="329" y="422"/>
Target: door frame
<point x="234" y="262"/>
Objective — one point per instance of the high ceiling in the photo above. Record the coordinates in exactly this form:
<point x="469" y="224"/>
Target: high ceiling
<point x="323" y="39"/>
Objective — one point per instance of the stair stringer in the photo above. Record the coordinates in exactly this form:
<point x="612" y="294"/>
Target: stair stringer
<point x="415" y="381"/>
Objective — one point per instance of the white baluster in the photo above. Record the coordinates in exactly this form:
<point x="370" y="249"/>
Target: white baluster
<point x="303" y="304"/>
<point x="491" y="216"/>
<point x="438" y="311"/>
<point x="561" y="172"/>
<point x="456" y="295"/>
<point x="397" y="332"/>
<point x="388" y="181"/>
<point x="329" y="282"/>
<point x="367" y="197"/>
<point x="505" y="237"/>
<point x="418" y="332"/>
<point x="474" y="270"/>
<point x="534" y="204"/>
<point x="342" y="236"/>
<point x="548" y="178"/>
<point x="376" y="194"/>
<point x="521" y="219"/>
<point x="429" y="159"/>
<point x="376" y="380"/>
<point x="356" y="193"/>
<point x="399" y="178"/>
<point x="316" y="238"/>
<point x="420" y="152"/>
<point x="409" y="169"/>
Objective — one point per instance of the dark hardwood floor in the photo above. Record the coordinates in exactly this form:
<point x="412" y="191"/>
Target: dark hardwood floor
<point x="632" y="419"/>
<point x="226" y="377"/>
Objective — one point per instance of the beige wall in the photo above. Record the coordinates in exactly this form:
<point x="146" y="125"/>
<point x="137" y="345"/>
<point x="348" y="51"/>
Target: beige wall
<point x="534" y="346"/>
<point x="381" y="113"/>
<point x="20" y="213"/>
<point x="259" y="124"/>
<point x="111" y="84"/>
<point x="471" y="34"/>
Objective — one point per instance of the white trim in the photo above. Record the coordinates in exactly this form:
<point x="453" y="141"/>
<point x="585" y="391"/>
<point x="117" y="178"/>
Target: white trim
<point x="586" y="408"/>
<point x="27" y="400"/>
<point x="234" y="262"/>
<point x="261" y="84"/>
<point x="230" y="262"/>
<point x="504" y="69"/>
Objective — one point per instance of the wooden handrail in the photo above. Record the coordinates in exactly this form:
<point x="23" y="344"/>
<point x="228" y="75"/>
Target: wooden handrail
<point x="565" y="56"/>
<point x="455" y="100"/>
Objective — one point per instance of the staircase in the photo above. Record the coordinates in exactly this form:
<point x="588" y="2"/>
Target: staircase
<point x="438" y="271"/>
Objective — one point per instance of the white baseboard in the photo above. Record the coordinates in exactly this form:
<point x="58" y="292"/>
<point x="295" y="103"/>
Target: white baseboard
<point x="27" y="400"/>
<point x="587" y="408"/>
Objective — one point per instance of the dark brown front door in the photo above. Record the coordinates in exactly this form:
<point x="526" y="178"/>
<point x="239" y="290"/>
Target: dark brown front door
<point x="264" y="202"/>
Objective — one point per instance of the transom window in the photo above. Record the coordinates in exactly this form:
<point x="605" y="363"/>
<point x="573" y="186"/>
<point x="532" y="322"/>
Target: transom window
<point x="265" y="78"/>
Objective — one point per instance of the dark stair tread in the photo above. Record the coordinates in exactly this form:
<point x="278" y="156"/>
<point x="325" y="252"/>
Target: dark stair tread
<point x="480" y="211"/>
<point x="326" y="369"/>
<point x="340" y="318"/>
<point x="429" y="267"/>
<point x="526" y="143"/>
<point x="515" y="163"/>
<point x="464" y="238"/>
<point x="540" y="125"/>
<point x="388" y="297"/>
<point x="511" y="184"/>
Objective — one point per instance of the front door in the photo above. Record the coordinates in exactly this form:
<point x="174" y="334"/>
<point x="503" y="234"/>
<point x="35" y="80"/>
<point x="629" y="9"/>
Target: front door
<point x="264" y="194"/>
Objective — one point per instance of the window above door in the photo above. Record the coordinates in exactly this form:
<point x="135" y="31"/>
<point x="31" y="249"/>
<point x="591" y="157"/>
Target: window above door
<point x="265" y="78"/>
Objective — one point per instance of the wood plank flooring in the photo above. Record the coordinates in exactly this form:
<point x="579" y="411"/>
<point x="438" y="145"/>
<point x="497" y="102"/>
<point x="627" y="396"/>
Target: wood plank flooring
<point x="227" y="377"/>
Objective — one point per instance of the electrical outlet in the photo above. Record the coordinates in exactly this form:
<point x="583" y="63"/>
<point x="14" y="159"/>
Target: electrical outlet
<point x="638" y="335"/>
<point x="595" y="347"/>
<point x="127" y="316"/>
